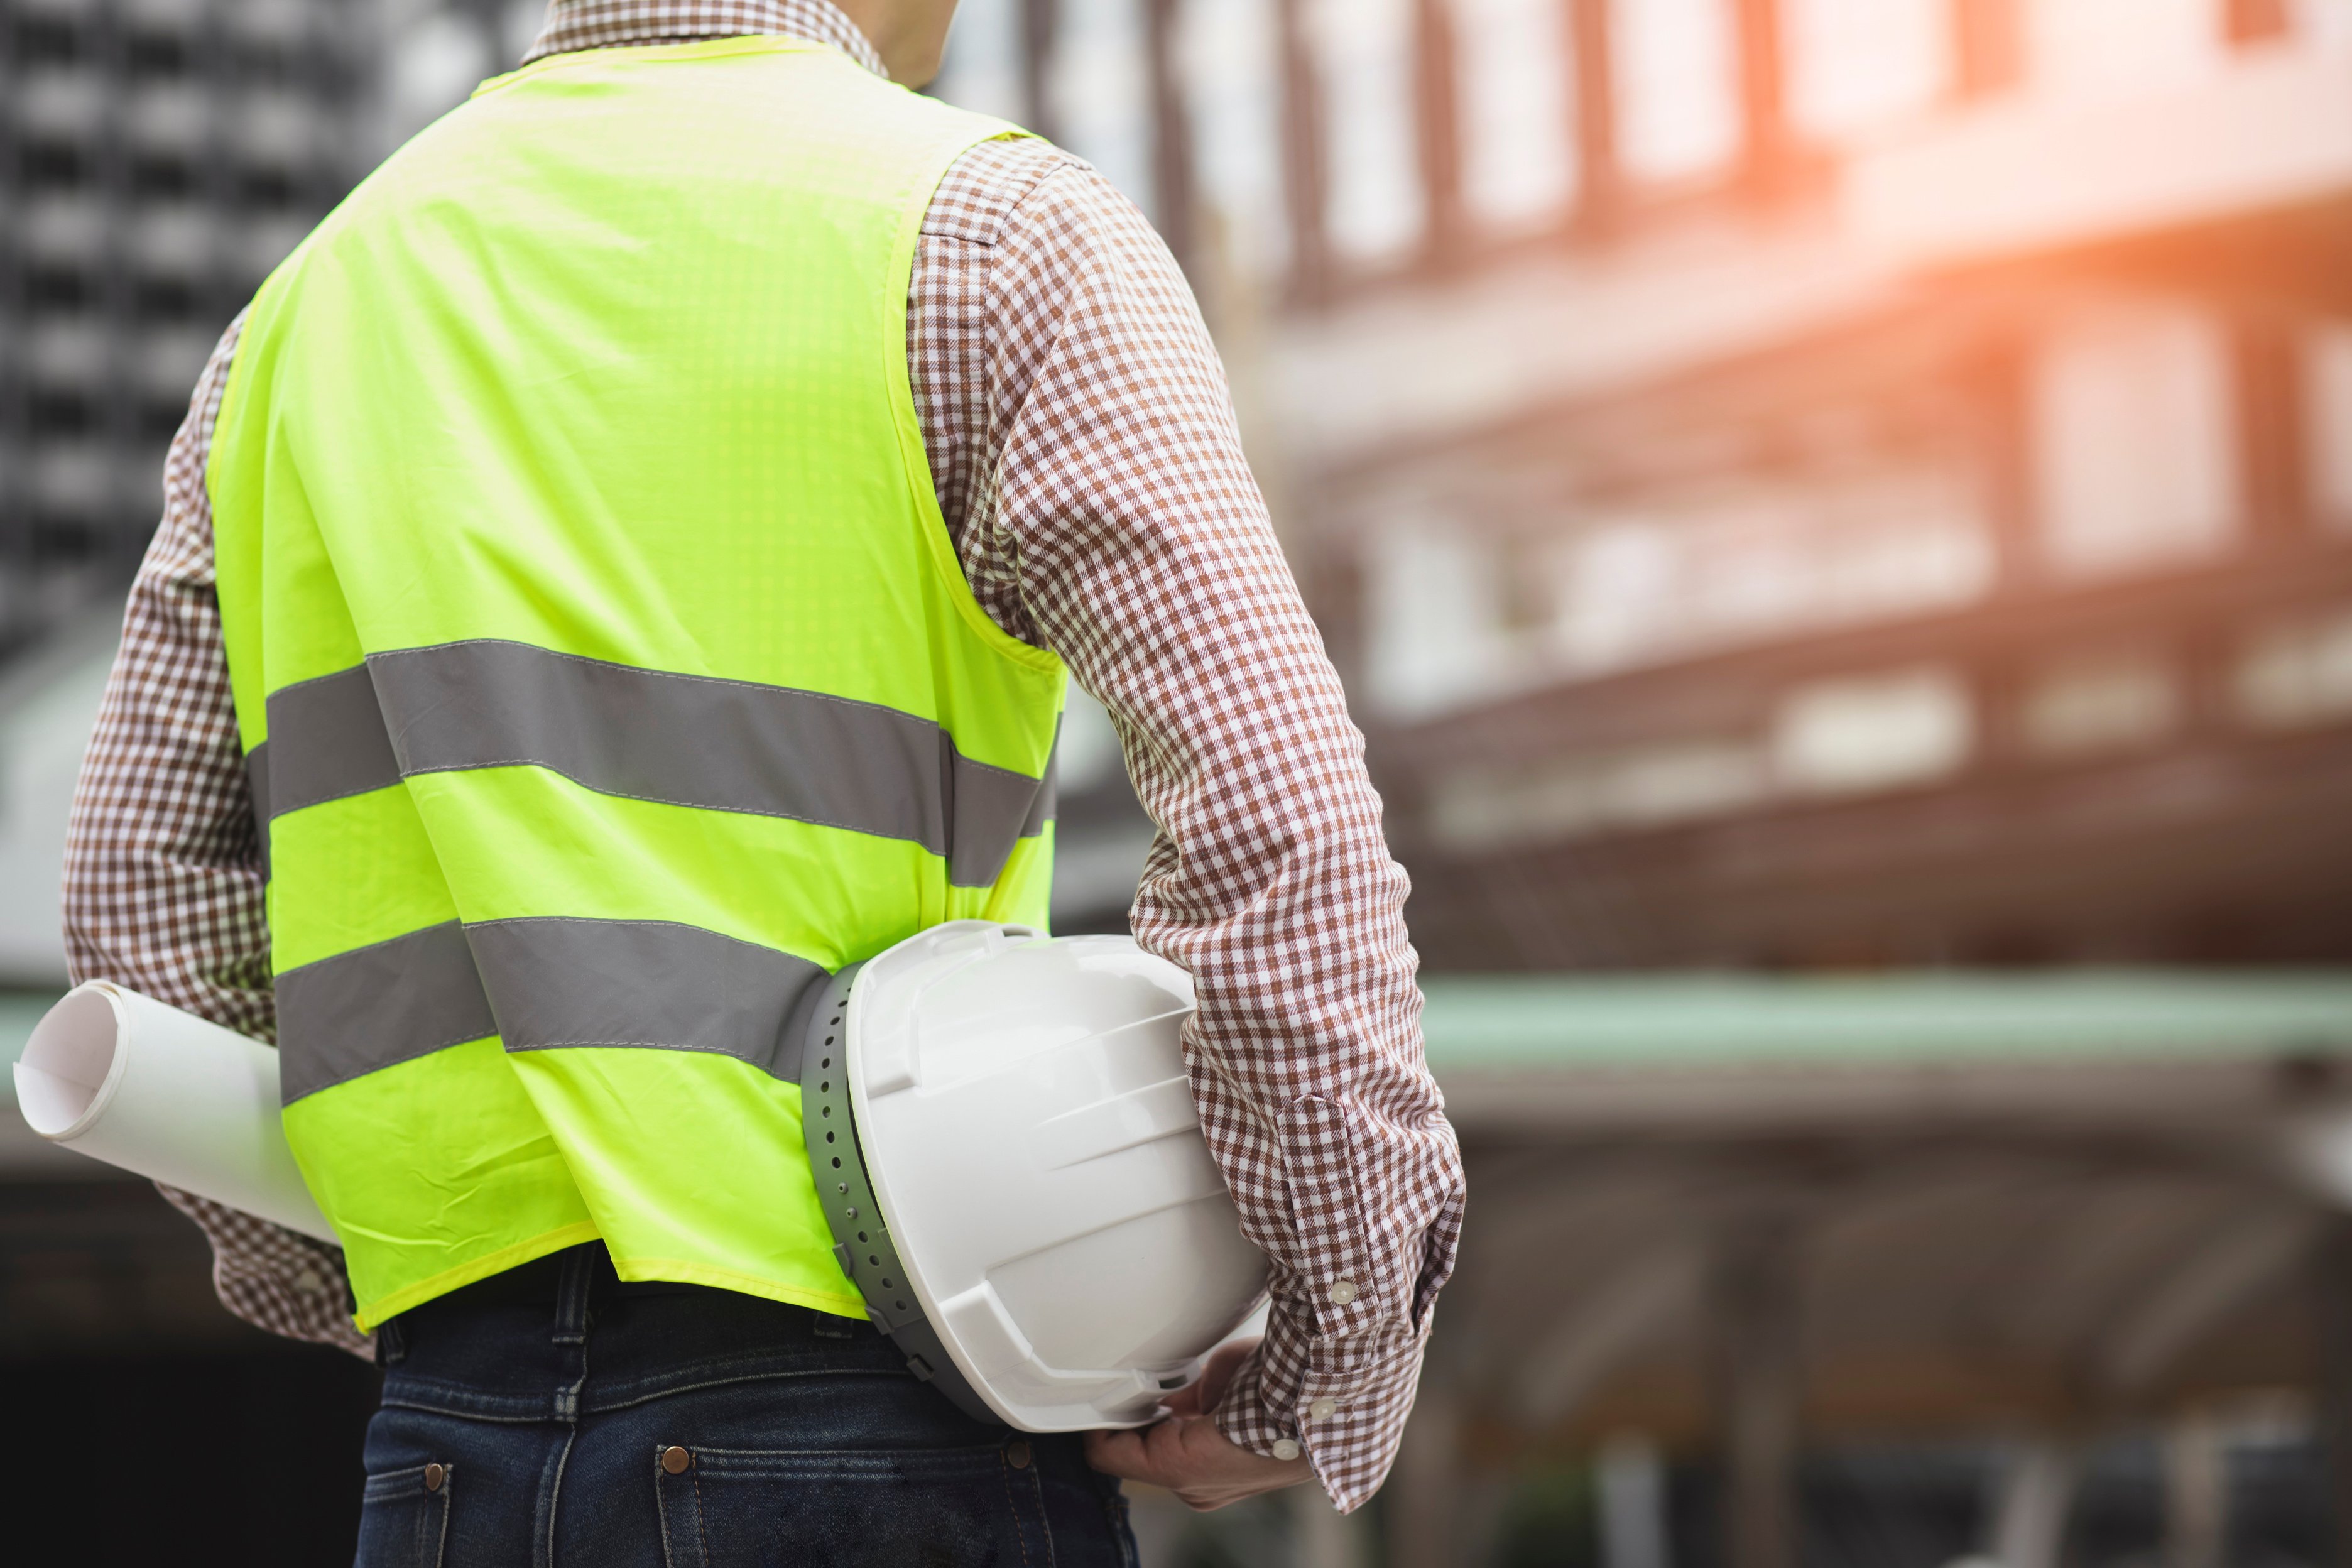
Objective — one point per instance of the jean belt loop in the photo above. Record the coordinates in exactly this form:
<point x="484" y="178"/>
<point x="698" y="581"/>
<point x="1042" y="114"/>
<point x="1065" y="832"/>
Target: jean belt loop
<point x="572" y="1294"/>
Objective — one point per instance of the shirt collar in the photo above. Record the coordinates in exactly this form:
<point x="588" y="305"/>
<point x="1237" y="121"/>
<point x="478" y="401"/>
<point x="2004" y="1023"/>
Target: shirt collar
<point x="604" y="24"/>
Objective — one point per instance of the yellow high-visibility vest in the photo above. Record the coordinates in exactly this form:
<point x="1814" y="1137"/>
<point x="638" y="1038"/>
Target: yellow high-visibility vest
<point x="606" y="675"/>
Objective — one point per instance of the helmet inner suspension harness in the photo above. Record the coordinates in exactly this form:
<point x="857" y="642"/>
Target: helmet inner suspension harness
<point x="1008" y="1155"/>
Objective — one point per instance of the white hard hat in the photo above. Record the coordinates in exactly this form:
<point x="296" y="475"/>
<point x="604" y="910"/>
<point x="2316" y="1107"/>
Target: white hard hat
<point x="1008" y="1152"/>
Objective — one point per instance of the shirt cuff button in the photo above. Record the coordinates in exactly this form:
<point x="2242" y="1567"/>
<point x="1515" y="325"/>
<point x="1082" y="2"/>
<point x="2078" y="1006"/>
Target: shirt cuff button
<point x="1343" y="1293"/>
<point x="1284" y="1449"/>
<point x="1323" y="1409"/>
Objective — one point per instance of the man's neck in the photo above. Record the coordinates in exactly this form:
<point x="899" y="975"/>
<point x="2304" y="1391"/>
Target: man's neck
<point x="574" y="25"/>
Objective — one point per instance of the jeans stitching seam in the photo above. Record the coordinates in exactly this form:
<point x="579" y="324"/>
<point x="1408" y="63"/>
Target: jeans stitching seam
<point x="441" y="1537"/>
<point x="1020" y="1534"/>
<point x="701" y="1524"/>
<point x="1044" y="1515"/>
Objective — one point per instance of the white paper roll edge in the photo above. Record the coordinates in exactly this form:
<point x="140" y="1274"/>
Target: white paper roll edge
<point x="143" y="1086"/>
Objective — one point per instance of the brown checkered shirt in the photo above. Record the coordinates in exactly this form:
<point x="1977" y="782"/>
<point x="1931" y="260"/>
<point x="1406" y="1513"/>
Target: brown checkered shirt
<point x="1083" y="448"/>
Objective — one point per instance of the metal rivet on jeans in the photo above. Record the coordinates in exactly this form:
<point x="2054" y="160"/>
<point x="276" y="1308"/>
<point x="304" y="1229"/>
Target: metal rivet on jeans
<point x="1017" y="1454"/>
<point x="433" y="1475"/>
<point x="675" y="1460"/>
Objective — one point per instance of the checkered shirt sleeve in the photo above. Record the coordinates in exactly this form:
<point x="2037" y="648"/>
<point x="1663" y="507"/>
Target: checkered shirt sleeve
<point x="163" y="882"/>
<point x="1086" y="460"/>
<point x="1087" y="457"/>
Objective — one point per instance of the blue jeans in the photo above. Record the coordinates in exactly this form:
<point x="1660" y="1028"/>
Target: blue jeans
<point x="554" y="1417"/>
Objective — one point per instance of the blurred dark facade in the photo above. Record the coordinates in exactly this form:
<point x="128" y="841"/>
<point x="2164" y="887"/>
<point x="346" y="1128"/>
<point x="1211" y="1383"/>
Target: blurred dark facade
<point x="144" y="1424"/>
<point x="157" y="158"/>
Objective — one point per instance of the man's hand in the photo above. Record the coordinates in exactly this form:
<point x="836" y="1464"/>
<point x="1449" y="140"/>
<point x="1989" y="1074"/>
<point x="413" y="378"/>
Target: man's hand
<point x="1185" y="1452"/>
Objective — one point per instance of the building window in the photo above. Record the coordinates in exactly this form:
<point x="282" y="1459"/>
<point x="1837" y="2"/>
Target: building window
<point x="2101" y="704"/>
<point x="982" y="70"/>
<point x="2328" y="397"/>
<point x="1229" y="59"/>
<point x="1098" y="85"/>
<point x="1665" y="784"/>
<point x="1518" y="157"/>
<point x="2121" y="48"/>
<point x="1857" y="66"/>
<point x="2299" y="675"/>
<point x="1851" y="736"/>
<point x="1747" y="562"/>
<point x="432" y="65"/>
<point x="1623" y="585"/>
<point x="1676" y="69"/>
<point x="1376" y="207"/>
<point x="2135" y="447"/>
<point x="2327" y="23"/>
<point x="1434" y="613"/>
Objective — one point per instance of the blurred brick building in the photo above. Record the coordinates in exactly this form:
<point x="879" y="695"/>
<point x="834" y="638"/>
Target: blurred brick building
<point x="1791" y="482"/>
<point x="1810" y="485"/>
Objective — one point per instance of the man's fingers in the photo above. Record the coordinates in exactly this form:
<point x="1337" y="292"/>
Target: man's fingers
<point x="1206" y="1392"/>
<point x="1149" y="1454"/>
<point x="1156" y="1455"/>
<point x="1189" y="1456"/>
<point x="1117" y="1453"/>
<point x="1218" y="1375"/>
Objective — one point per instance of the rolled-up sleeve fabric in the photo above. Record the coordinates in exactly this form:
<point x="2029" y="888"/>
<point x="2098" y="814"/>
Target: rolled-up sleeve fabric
<point x="1112" y="517"/>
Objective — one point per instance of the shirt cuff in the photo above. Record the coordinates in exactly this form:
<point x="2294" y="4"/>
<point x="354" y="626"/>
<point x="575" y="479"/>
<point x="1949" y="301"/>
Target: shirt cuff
<point x="1340" y="1399"/>
<point x="274" y="1278"/>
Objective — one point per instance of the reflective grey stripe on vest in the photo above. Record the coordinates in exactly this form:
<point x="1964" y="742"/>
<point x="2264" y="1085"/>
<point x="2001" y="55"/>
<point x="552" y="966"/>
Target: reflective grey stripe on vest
<point x="682" y="740"/>
<point x="540" y="984"/>
<point x="339" y="749"/>
<point x="376" y="1006"/>
<point x="654" y="983"/>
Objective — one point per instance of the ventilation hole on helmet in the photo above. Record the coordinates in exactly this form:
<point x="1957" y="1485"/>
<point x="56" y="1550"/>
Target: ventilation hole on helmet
<point x="825" y="1089"/>
<point x="875" y="1259"/>
<point x="902" y="1306"/>
<point x="825" y="1111"/>
<point x="890" y="1285"/>
<point x="836" y="1165"/>
<point x="863" y="1236"/>
<point x="828" y="1137"/>
<point x="828" y="1039"/>
<point x="827" y="1063"/>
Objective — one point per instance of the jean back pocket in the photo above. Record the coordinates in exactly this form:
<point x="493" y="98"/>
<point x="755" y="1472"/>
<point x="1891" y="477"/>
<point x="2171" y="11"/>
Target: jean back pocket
<point x="404" y="1517"/>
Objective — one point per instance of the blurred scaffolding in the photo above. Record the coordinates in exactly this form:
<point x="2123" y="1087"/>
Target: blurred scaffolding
<point x="1837" y="513"/>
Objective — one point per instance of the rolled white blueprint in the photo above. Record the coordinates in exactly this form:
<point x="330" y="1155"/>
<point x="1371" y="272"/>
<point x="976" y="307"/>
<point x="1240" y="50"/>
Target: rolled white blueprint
<point x="137" y="1083"/>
